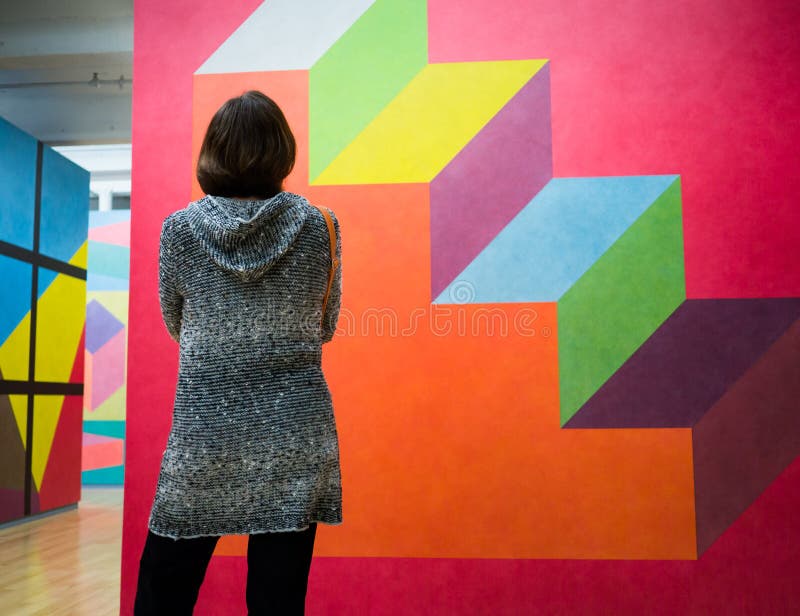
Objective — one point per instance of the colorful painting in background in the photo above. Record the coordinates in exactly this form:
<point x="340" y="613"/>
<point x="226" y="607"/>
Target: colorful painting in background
<point x="43" y="250"/>
<point x="106" y="347"/>
<point x="615" y="429"/>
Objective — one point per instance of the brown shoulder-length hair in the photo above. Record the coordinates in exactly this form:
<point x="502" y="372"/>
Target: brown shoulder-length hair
<point x="248" y="149"/>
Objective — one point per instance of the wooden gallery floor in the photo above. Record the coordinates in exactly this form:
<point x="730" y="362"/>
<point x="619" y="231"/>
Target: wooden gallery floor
<point x="64" y="563"/>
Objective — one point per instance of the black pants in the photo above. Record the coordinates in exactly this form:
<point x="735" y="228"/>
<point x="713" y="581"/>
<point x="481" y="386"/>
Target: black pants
<point x="278" y="564"/>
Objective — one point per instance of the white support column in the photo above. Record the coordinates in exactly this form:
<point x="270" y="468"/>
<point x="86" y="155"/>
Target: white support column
<point x="104" y="200"/>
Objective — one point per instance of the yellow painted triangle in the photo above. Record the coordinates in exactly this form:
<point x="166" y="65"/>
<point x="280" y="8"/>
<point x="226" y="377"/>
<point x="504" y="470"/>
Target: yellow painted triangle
<point x="61" y="314"/>
<point x="81" y="256"/>
<point x="14" y="352"/>
<point x="429" y="122"/>
<point x="116" y="302"/>
<point x="46" y="411"/>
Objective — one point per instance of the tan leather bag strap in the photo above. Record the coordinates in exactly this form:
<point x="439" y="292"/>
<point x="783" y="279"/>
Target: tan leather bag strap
<point x="334" y="261"/>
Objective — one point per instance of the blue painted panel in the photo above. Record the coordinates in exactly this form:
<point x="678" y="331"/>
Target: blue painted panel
<point x="17" y="185"/>
<point x="99" y="282"/>
<point x="555" y="239"/>
<point x="101" y="219"/>
<point x="45" y="278"/>
<point x="15" y="300"/>
<point x="65" y="206"/>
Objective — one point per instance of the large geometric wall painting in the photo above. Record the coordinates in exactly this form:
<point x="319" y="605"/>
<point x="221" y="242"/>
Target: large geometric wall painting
<point x="106" y="347"/>
<point x="43" y="252"/>
<point x="633" y="351"/>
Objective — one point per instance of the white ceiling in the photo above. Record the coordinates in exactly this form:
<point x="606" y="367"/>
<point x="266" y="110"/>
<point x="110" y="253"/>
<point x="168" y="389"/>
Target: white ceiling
<point x="67" y="41"/>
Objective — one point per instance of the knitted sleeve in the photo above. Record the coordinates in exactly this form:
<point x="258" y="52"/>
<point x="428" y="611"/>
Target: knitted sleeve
<point x="169" y="294"/>
<point x="335" y="297"/>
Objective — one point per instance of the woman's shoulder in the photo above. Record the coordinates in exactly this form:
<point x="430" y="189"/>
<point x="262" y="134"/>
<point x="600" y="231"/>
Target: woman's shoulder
<point x="179" y="218"/>
<point x="174" y="226"/>
<point x="319" y="212"/>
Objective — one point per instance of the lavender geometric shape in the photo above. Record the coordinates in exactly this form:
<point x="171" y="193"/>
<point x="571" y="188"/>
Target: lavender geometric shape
<point x="101" y="325"/>
<point x="489" y="181"/>
<point x="688" y="364"/>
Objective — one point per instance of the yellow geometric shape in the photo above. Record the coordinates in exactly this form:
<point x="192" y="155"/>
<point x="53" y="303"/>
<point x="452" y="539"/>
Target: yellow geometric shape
<point x="15" y="351"/>
<point x="46" y="411"/>
<point x="81" y="256"/>
<point x="116" y="302"/>
<point x="61" y="314"/>
<point x="19" y="406"/>
<point x="112" y="407"/>
<point x="429" y="122"/>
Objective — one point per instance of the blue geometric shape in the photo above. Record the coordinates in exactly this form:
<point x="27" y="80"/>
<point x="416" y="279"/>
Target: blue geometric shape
<point x="98" y="282"/>
<point x="110" y="217"/>
<point x="17" y="185"/>
<point x="101" y="326"/>
<point x="555" y="239"/>
<point x="15" y="300"/>
<point x="45" y="277"/>
<point x="65" y="206"/>
<point x="109" y="259"/>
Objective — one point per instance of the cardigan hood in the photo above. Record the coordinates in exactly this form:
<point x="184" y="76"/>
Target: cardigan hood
<point x="247" y="237"/>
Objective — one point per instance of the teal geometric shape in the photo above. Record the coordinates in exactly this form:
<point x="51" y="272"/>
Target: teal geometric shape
<point x="105" y="427"/>
<point x="109" y="260"/>
<point x="110" y="475"/>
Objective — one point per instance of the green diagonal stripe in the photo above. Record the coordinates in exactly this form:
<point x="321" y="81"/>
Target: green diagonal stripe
<point x="362" y="73"/>
<point x="620" y="301"/>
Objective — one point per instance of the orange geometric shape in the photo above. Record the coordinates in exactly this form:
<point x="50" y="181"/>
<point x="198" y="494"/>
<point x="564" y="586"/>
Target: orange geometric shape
<point x="476" y="483"/>
<point x="286" y="88"/>
<point x="101" y="451"/>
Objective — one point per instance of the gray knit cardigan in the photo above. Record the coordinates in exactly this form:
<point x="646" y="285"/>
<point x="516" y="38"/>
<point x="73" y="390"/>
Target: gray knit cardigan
<point x="253" y="445"/>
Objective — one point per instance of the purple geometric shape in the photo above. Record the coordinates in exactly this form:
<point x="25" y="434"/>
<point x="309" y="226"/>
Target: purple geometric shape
<point x="12" y="464"/>
<point x="108" y="369"/>
<point x="688" y="364"/>
<point x="101" y="325"/>
<point x="496" y="174"/>
<point x="36" y="505"/>
<point x="97" y="439"/>
<point x="747" y="439"/>
<point x="12" y="505"/>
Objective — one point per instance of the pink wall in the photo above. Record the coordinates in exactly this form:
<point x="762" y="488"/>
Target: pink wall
<point x="703" y="89"/>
